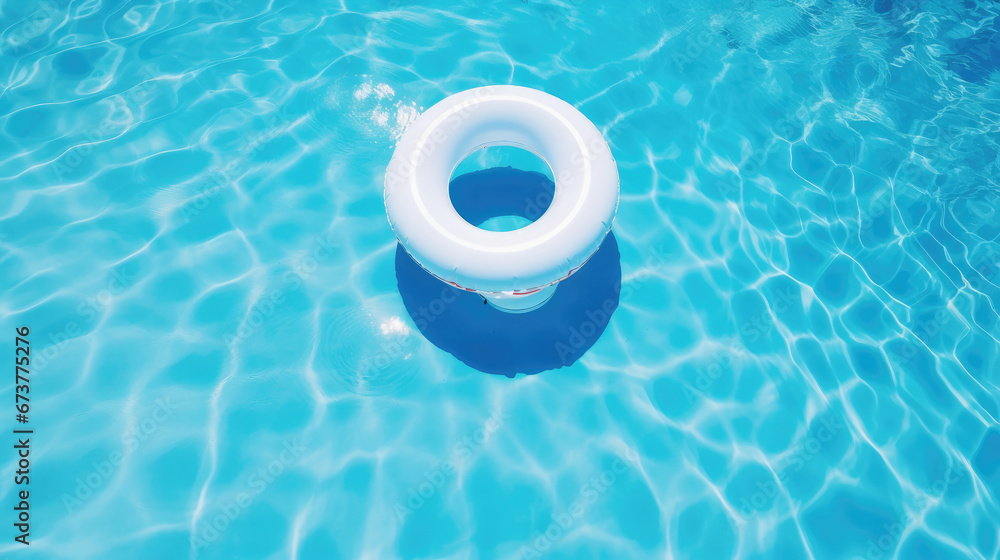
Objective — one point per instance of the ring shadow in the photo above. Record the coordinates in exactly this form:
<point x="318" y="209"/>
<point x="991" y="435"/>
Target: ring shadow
<point x="492" y="341"/>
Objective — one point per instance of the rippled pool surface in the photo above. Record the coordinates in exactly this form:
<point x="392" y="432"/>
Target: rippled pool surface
<point x="803" y="361"/>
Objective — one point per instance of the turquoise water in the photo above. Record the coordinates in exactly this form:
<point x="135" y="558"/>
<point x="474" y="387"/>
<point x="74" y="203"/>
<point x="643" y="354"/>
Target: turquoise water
<point x="802" y="361"/>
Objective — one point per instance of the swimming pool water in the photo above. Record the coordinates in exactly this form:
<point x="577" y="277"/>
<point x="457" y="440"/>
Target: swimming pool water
<point x="801" y="359"/>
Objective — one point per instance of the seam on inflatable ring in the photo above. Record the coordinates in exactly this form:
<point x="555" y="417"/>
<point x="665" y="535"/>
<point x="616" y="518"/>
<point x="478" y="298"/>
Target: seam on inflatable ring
<point x="514" y="292"/>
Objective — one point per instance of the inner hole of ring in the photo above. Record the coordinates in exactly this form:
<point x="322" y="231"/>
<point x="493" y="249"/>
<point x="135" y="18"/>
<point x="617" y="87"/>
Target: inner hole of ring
<point x="501" y="187"/>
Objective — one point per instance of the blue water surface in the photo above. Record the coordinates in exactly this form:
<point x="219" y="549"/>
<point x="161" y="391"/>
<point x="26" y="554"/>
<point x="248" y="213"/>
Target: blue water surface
<point x="788" y="349"/>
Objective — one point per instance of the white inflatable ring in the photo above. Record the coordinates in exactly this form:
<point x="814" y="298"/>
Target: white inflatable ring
<point x="518" y="262"/>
